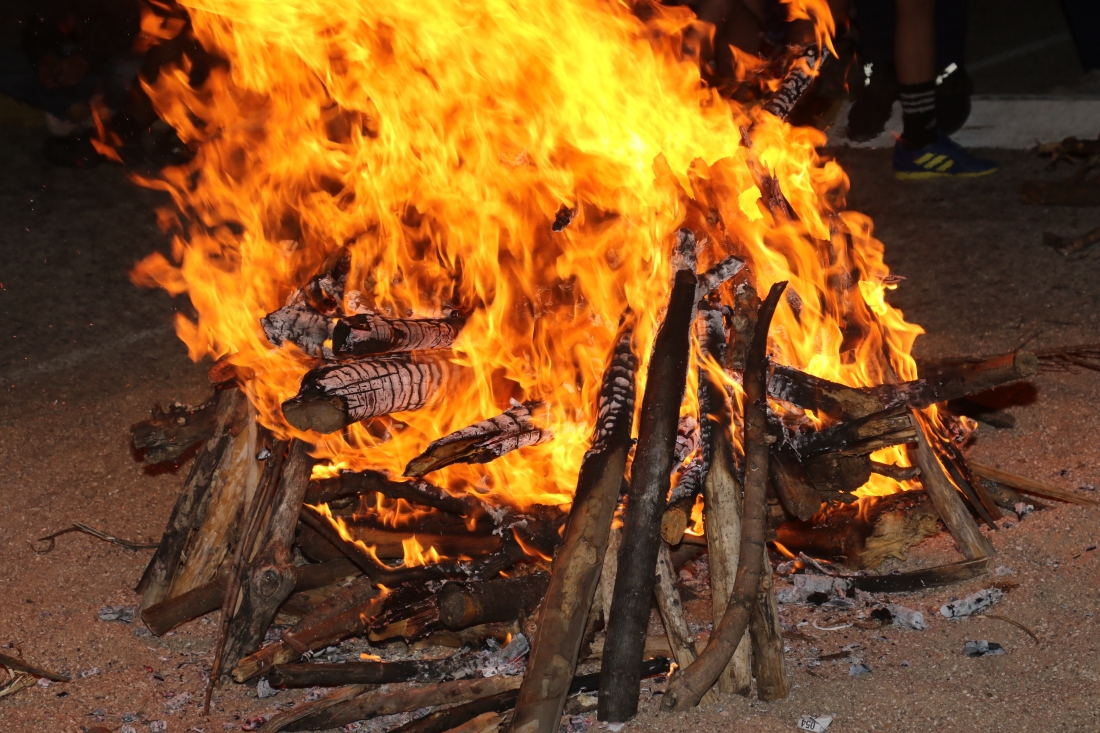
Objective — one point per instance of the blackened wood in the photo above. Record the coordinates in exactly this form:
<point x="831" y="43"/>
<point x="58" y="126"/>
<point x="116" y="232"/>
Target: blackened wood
<point x="766" y="632"/>
<point x="359" y="483"/>
<point x="501" y="599"/>
<point x="268" y="578"/>
<point x="576" y="570"/>
<point x="169" y="433"/>
<point x="835" y="476"/>
<point x="325" y="291"/>
<point x="717" y="275"/>
<point x="1029" y="486"/>
<point x="162" y="617"/>
<point x="949" y="504"/>
<point x="482" y="442"/>
<point x="1007" y="497"/>
<point x="677" y="514"/>
<point x="835" y="400"/>
<point x="649" y="485"/>
<point x="742" y="325"/>
<point x="722" y="519"/>
<point x="374" y="704"/>
<point x="894" y="471"/>
<point x="915" y="580"/>
<point x="359" y="673"/>
<point x="335" y="396"/>
<point x="388" y="544"/>
<point x="957" y="467"/>
<point x="300" y="325"/>
<point x="860" y="436"/>
<point x="796" y="493"/>
<point x="801" y="72"/>
<point x="370" y="334"/>
<point x="162" y="567"/>
<point x="688" y="687"/>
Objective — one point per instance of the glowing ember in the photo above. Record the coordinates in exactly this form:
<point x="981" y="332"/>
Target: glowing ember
<point x="441" y="144"/>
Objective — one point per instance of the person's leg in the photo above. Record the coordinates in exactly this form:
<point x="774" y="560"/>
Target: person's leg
<point x="876" y="88"/>
<point x="1084" y="26"/>
<point x="953" y="85"/>
<point x="915" y="59"/>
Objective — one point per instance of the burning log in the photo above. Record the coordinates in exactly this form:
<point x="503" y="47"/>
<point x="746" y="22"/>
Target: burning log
<point x="722" y="519"/>
<point x="398" y="701"/>
<point x="1029" y="486"/>
<point x="162" y="568"/>
<point x="896" y="472"/>
<point x="300" y="325"/>
<point x="482" y="442"/>
<point x="649" y="485"/>
<point x="576" y="570"/>
<point x="972" y="543"/>
<point x="952" y="459"/>
<point x="766" y="632"/>
<point x="687" y="688"/>
<point x="359" y="673"/>
<point x="462" y="605"/>
<point x="304" y="709"/>
<point x="359" y="483"/>
<point x="861" y="436"/>
<point x="834" y="476"/>
<point x="677" y="515"/>
<point x="713" y="278"/>
<point x="335" y="396"/>
<point x="389" y="544"/>
<point x="742" y="324"/>
<point x="796" y="493"/>
<point x="347" y="612"/>
<point x="371" y="335"/>
<point x="838" y="401"/>
<point x="168" y="434"/>
<point x="325" y="291"/>
<point x="794" y="85"/>
<point x="268" y="579"/>
<point x="863" y="535"/>
<point x="162" y="617"/>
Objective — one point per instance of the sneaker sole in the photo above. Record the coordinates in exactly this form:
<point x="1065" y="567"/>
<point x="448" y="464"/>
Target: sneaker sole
<point x="923" y="175"/>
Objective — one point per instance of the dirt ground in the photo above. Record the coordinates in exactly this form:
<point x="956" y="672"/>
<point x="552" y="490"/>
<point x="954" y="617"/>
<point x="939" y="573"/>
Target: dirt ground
<point x="88" y="354"/>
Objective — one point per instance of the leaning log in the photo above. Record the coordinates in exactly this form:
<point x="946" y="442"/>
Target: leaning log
<point x="482" y="442"/>
<point x="649" y="485"/>
<point x="1029" y="486"/>
<point x="168" y="434"/>
<point x="766" y="632"/>
<point x="576" y="570"/>
<point x="371" y="335"/>
<point x="915" y="580"/>
<point x="335" y="396"/>
<point x="501" y="599"/>
<point x="157" y="578"/>
<point x="687" y="688"/>
<point x="672" y="610"/>
<point x="945" y="497"/>
<point x="268" y="579"/>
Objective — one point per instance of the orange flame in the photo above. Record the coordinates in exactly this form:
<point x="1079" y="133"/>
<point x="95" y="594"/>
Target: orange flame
<point x="438" y="142"/>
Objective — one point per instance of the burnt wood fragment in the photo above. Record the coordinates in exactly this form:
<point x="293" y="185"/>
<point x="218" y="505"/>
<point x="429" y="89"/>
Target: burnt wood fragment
<point x="167" y="434"/>
<point x="370" y="335"/>
<point x="500" y="599"/>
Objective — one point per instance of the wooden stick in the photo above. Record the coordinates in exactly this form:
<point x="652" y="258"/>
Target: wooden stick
<point x="370" y="334"/>
<point x="576" y="571"/>
<point x="14" y="663"/>
<point x="620" y="681"/>
<point x="859" y="437"/>
<point x="945" y="497"/>
<point x="335" y="396"/>
<point x="359" y="673"/>
<point x="162" y="567"/>
<point x="672" y="612"/>
<point x="722" y="520"/>
<point x="168" y="434"/>
<point x="268" y="578"/>
<point x="688" y="687"/>
<point x="305" y="709"/>
<point x="168" y="614"/>
<point x="389" y="544"/>
<point x="956" y="464"/>
<point x="1029" y="485"/>
<point x="359" y="483"/>
<point x="766" y="632"/>
<point x="915" y="580"/>
<point x="481" y="442"/>
<point x="372" y="705"/>
<point x="462" y="605"/>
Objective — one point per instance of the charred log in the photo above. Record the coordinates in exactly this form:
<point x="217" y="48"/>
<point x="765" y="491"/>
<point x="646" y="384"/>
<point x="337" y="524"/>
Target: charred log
<point x="462" y="605"/>
<point x="371" y="335"/>
<point x="836" y="476"/>
<point x="300" y="325"/>
<point x="335" y="396"/>
<point x="861" y="436"/>
<point x="168" y="434"/>
<point x="792" y="484"/>
<point x="360" y="483"/>
<point x="359" y="673"/>
<point x="482" y="442"/>
<point x="915" y="580"/>
<point x="389" y="544"/>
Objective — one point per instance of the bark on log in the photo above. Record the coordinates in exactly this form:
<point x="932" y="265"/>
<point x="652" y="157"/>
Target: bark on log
<point x="359" y="673"/>
<point x="835" y="476"/>
<point x="372" y="705"/>
<point x="370" y="335"/>
<point x="766" y="632"/>
<point x="168" y="614"/>
<point x="335" y="396"/>
<point x="808" y="392"/>
<point x="360" y="483"/>
<point x="481" y="442"/>
<point x="894" y="471"/>
<point x="157" y="578"/>
<point x="1030" y="486"/>
<point x="304" y="709"/>
<point x="268" y="578"/>
<point x="687" y="688"/>
<point x="462" y="605"/>
<point x="610" y="571"/>
<point x="865" y="535"/>
<point x="231" y="491"/>
<point x="949" y="504"/>
<point x="861" y="436"/>
<point x="576" y="571"/>
<point x="388" y="544"/>
<point x="792" y="485"/>
<point x="168" y="434"/>
<point x="742" y="324"/>
<point x="722" y="520"/>
<point x="666" y="380"/>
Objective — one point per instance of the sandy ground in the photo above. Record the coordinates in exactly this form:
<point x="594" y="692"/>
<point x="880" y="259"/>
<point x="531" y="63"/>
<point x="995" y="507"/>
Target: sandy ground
<point x="88" y="354"/>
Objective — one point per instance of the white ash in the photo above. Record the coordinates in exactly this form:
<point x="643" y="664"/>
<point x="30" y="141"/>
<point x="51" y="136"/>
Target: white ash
<point x="804" y="585"/>
<point x="1022" y="509"/>
<point x="176" y="702"/>
<point x="907" y="618"/>
<point x="158" y="726"/>
<point x="973" y="603"/>
<point x="982" y="648"/>
<point x="264" y="689"/>
<point x="123" y="614"/>
<point x="859" y="670"/>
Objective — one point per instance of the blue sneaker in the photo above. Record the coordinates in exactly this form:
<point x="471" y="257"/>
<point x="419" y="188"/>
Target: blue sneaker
<point x="941" y="159"/>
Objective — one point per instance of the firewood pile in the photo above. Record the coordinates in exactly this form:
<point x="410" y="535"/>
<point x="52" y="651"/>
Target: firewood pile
<point x="525" y="597"/>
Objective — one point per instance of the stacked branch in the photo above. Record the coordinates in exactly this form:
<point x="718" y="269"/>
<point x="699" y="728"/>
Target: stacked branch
<point x="371" y="335"/>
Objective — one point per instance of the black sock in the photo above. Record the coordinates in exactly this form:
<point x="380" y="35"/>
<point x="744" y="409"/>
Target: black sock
<point x="918" y="113"/>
